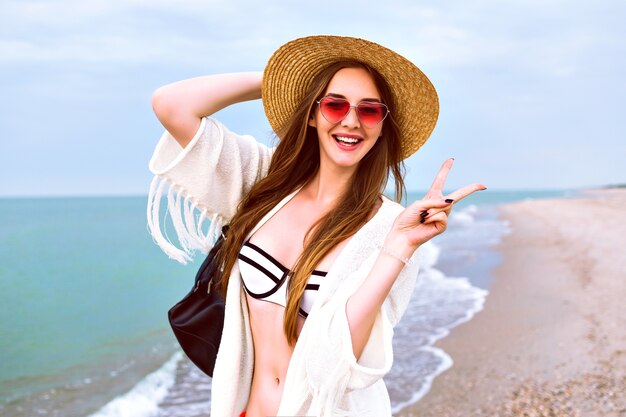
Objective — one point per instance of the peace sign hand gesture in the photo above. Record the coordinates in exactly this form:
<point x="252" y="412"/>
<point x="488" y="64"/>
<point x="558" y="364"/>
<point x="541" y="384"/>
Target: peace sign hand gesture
<point x="428" y="217"/>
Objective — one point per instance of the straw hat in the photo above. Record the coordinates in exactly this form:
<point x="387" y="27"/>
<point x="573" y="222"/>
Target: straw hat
<point x="293" y="66"/>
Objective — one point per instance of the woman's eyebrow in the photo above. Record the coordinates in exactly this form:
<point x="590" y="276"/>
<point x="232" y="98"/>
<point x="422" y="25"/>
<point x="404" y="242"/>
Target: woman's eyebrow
<point x="376" y="100"/>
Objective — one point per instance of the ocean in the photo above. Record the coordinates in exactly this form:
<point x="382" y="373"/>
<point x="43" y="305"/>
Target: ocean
<point x="85" y="292"/>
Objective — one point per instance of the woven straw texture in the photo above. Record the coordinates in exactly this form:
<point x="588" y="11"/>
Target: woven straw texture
<point x="293" y="66"/>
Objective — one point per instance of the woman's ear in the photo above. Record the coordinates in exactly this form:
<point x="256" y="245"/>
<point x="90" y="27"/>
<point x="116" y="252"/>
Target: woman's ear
<point x="312" y="121"/>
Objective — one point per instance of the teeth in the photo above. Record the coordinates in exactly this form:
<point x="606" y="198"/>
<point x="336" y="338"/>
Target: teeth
<point x="346" y="140"/>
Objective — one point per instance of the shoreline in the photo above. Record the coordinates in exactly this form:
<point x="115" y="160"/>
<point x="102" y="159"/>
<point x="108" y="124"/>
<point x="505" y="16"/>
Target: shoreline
<point x="548" y="341"/>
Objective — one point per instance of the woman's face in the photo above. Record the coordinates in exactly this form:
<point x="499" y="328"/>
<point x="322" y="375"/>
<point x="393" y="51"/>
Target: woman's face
<point x="344" y="144"/>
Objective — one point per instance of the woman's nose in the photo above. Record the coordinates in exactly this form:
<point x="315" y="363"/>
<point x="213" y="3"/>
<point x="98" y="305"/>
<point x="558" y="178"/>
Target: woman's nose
<point x="352" y="118"/>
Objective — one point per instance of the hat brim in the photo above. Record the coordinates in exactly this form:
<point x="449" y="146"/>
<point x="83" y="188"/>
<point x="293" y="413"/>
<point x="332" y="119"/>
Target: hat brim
<point x="293" y="66"/>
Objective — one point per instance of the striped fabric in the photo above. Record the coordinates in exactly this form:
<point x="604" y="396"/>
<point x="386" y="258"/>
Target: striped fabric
<point x="264" y="278"/>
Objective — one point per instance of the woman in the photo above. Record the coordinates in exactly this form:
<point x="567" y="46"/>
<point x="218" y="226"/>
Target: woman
<point x="318" y="264"/>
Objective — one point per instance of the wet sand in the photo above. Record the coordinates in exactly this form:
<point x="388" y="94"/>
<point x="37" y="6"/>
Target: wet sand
<point x="551" y="339"/>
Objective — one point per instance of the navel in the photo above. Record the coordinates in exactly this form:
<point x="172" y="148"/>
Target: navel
<point x="277" y="380"/>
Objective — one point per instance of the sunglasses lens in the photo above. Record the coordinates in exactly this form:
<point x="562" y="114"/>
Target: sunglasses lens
<point x="333" y="109"/>
<point x="371" y="113"/>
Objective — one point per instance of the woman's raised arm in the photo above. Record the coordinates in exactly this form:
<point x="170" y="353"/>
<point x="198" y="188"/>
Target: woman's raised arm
<point x="417" y="224"/>
<point x="180" y="106"/>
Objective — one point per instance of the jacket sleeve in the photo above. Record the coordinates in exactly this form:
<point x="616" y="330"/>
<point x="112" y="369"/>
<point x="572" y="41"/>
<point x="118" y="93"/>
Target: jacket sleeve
<point x="333" y="372"/>
<point x="206" y="180"/>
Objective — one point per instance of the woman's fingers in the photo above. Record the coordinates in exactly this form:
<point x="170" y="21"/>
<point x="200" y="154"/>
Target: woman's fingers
<point x="413" y="215"/>
<point x="461" y="193"/>
<point x="430" y="201"/>
<point x="427" y="218"/>
<point x="427" y="207"/>
<point x="439" y="221"/>
<point x="436" y="188"/>
<point x="451" y="199"/>
<point x="439" y="217"/>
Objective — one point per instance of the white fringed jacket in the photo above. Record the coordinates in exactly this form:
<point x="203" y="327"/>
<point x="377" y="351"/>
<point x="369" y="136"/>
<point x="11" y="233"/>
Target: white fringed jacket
<point x="206" y="180"/>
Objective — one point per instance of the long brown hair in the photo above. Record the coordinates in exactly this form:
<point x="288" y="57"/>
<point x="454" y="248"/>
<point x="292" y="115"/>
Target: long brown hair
<point x="295" y="162"/>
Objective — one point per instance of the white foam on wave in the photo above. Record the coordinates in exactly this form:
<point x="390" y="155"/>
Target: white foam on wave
<point x="143" y="399"/>
<point x="445" y="363"/>
<point x="457" y="286"/>
<point x="481" y="226"/>
<point x="441" y="302"/>
<point x="428" y="255"/>
<point x="464" y="217"/>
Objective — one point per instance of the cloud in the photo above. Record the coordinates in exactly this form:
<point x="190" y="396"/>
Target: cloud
<point x="542" y="38"/>
<point x="511" y="74"/>
<point x="64" y="13"/>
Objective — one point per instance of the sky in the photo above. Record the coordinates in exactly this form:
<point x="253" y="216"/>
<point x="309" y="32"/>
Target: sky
<point x="532" y="92"/>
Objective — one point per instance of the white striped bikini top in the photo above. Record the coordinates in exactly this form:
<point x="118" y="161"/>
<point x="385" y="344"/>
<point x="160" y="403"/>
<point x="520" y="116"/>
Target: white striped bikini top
<point x="264" y="278"/>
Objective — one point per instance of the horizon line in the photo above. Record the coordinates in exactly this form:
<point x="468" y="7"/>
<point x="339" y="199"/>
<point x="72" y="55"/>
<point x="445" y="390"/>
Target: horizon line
<point x="145" y="195"/>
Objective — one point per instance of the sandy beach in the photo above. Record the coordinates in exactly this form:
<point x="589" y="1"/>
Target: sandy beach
<point x="551" y="339"/>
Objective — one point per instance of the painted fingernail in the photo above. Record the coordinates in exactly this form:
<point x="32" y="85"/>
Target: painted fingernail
<point x="424" y="214"/>
<point x="423" y="220"/>
<point x="448" y="200"/>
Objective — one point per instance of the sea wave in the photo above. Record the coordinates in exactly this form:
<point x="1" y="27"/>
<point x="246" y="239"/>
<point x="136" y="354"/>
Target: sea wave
<point x="144" y="398"/>
<point x="441" y="301"/>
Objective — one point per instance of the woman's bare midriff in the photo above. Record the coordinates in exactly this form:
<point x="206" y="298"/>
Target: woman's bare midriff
<point x="282" y="236"/>
<point x="272" y="354"/>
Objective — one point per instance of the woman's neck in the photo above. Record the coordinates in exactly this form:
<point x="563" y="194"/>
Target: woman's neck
<point x="328" y="186"/>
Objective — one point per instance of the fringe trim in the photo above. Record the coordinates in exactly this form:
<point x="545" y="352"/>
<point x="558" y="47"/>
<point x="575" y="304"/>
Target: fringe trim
<point x="187" y="218"/>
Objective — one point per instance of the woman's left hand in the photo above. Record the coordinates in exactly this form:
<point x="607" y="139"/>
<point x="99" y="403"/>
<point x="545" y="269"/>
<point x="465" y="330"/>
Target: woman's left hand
<point x="428" y="217"/>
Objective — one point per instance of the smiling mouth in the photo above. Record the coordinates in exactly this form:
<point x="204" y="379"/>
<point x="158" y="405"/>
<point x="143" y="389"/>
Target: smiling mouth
<point x="347" y="141"/>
